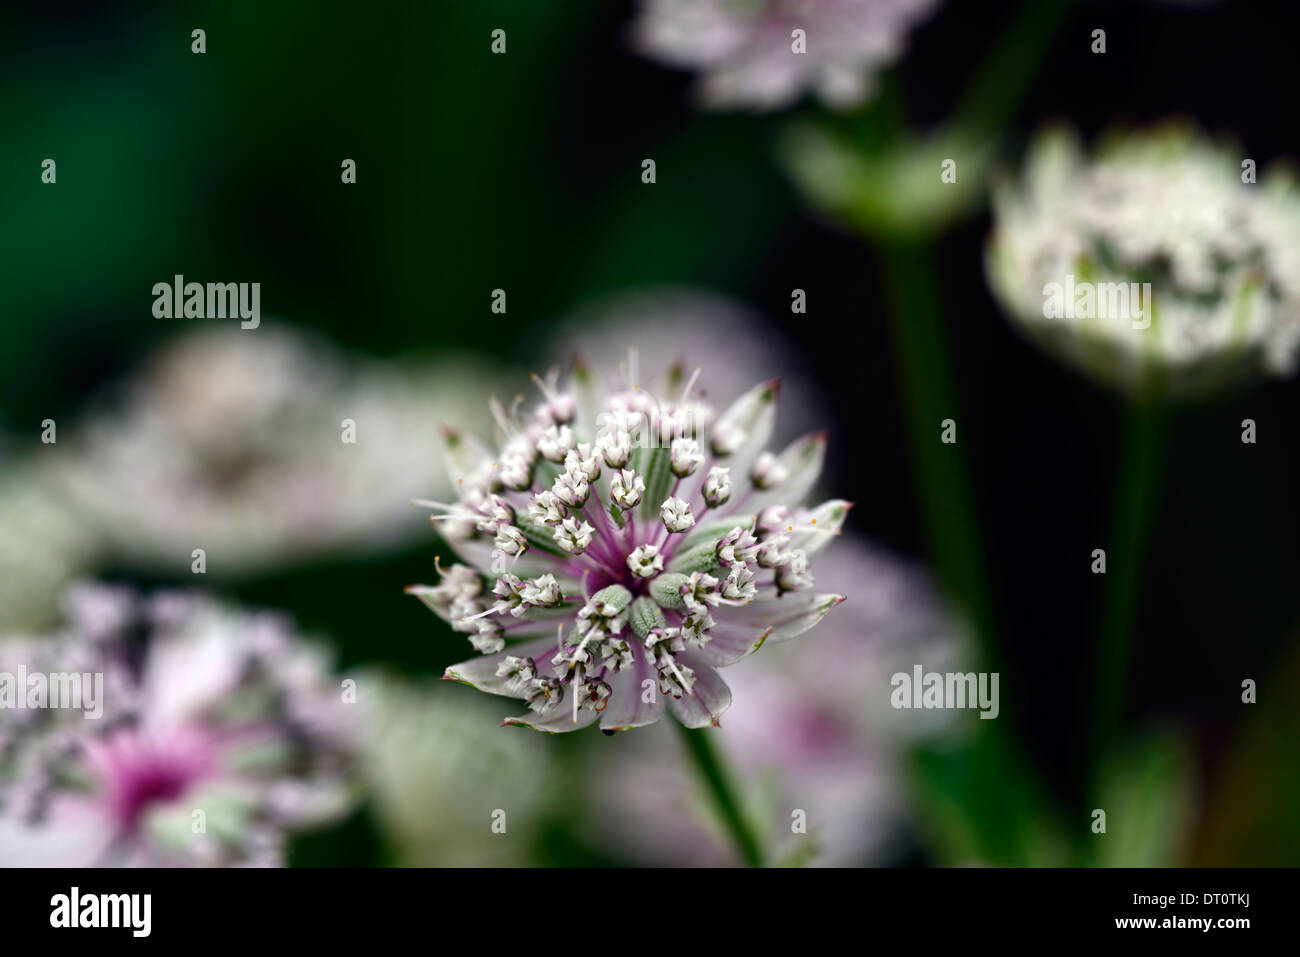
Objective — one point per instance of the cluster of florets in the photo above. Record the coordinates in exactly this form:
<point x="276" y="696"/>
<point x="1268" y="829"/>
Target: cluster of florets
<point x="615" y="527"/>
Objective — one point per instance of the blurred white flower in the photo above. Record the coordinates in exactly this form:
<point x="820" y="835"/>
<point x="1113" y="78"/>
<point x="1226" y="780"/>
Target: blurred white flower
<point x="238" y="443"/>
<point x="440" y="777"/>
<point x="221" y="732"/>
<point x="750" y="56"/>
<point x="811" y="730"/>
<point x="1076" y="239"/>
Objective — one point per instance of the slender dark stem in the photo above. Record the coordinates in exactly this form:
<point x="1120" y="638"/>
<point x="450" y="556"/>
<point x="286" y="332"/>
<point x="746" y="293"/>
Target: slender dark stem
<point x="920" y="344"/>
<point x="920" y="340"/>
<point x="1006" y="74"/>
<point x="715" y="776"/>
<point x="1139" y="477"/>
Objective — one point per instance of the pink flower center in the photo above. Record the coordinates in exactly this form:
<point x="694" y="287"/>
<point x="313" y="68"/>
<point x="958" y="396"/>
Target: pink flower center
<point x="139" y="769"/>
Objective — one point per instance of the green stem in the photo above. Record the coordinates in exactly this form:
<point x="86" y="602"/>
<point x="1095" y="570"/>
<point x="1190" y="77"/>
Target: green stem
<point x="921" y="350"/>
<point x="1139" y="477"/>
<point x="1006" y="74"/>
<point x="924" y="369"/>
<point x="715" y="776"/>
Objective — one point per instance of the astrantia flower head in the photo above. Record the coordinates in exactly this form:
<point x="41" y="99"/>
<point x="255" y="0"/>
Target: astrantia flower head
<point x="752" y="57"/>
<point x="660" y="543"/>
<point x="1153" y="266"/>
<point x="202" y="709"/>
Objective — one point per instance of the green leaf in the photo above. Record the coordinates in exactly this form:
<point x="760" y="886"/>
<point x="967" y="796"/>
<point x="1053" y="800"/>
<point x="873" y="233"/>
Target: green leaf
<point x="1145" y="788"/>
<point x="979" y="804"/>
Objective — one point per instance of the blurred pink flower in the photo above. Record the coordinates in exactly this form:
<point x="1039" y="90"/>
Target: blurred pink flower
<point x="220" y="733"/>
<point x="750" y="56"/>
